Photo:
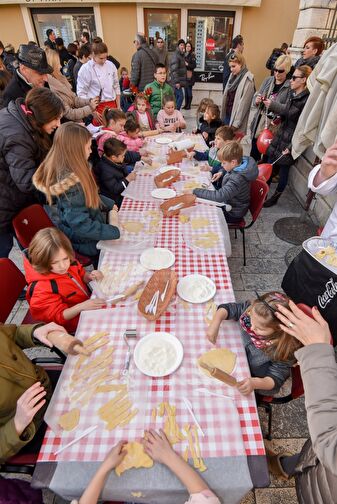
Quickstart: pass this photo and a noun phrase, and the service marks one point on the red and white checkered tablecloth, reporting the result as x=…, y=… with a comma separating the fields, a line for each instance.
x=231, y=423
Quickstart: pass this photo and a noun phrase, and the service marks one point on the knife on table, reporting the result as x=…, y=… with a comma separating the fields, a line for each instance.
x=220, y=375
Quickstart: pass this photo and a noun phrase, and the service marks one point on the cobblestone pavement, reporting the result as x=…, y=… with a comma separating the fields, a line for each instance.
x=264, y=271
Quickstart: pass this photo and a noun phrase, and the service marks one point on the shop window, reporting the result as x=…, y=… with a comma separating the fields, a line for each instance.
x=210, y=33
x=67, y=23
x=164, y=23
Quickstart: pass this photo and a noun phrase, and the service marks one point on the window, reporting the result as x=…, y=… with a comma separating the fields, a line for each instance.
x=67, y=23
x=210, y=33
x=164, y=23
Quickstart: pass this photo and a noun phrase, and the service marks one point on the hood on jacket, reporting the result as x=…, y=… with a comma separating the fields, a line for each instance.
x=247, y=169
x=33, y=276
x=15, y=110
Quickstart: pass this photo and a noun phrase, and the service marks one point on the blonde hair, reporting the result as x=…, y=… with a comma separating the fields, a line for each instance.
x=44, y=245
x=53, y=60
x=285, y=60
x=205, y=102
x=237, y=58
x=305, y=70
x=281, y=346
x=67, y=158
x=232, y=151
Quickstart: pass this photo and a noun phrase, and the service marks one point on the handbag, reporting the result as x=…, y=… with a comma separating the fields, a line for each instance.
x=189, y=74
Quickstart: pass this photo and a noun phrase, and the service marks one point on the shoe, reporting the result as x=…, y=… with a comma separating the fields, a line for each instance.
x=274, y=464
x=273, y=200
x=185, y=107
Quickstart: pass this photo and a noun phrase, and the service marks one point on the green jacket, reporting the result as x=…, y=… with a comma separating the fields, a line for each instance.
x=158, y=92
x=17, y=374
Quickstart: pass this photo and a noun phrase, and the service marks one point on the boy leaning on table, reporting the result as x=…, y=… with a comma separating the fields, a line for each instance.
x=157, y=446
x=237, y=174
x=25, y=387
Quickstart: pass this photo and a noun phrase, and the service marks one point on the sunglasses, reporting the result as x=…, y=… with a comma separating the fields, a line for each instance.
x=279, y=71
x=276, y=297
x=294, y=77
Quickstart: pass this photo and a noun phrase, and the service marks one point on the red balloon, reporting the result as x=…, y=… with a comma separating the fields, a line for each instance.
x=264, y=140
x=265, y=171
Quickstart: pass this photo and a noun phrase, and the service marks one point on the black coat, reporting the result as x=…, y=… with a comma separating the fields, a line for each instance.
x=209, y=128
x=20, y=157
x=16, y=88
x=191, y=64
x=290, y=113
x=111, y=179
x=178, y=72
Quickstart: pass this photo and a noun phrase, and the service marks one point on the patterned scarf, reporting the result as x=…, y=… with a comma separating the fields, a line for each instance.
x=258, y=341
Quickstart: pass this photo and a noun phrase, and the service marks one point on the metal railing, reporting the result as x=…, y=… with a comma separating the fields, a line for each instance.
x=331, y=27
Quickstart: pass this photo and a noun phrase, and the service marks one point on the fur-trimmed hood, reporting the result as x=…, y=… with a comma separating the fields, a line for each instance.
x=60, y=187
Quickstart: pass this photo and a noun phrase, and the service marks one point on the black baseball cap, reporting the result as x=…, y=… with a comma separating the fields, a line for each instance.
x=35, y=58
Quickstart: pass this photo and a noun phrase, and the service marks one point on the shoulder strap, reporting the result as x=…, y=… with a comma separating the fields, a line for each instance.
x=31, y=288
x=53, y=285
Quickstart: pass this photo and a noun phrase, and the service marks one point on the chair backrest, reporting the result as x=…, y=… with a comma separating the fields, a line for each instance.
x=12, y=281
x=265, y=170
x=28, y=222
x=258, y=193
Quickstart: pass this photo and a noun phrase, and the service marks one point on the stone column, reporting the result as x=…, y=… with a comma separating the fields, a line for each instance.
x=314, y=19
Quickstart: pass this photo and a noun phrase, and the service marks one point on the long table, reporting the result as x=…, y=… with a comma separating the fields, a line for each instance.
x=232, y=449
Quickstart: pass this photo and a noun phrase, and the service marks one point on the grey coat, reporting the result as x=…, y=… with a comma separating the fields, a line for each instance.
x=235, y=188
x=260, y=363
x=242, y=101
x=178, y=71
x=316, y=472
x=143, y=66
x=257, y=117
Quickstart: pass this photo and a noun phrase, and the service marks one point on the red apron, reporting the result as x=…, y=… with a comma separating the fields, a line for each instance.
x=101, y=107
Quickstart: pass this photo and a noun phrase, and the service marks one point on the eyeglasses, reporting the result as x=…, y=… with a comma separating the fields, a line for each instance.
x=294, y=77
x=278, y=70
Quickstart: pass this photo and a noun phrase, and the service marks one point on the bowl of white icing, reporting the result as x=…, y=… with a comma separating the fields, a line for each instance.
x=158, y=354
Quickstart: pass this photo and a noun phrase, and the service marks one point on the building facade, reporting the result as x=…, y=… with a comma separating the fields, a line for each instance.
x=210, y=27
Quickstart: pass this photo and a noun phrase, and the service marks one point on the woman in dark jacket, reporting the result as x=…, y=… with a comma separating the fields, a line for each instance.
x=315, y=467
x=178, y=73
x=190, y=63
x=289, y=112
x=25, y=127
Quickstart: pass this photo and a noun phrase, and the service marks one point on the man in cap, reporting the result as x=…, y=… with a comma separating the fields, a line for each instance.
x=30, y=72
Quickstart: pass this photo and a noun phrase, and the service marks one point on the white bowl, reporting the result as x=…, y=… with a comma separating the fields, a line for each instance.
x=164, y=169
x=162, y=140
x=150, y=353
x=196, y=288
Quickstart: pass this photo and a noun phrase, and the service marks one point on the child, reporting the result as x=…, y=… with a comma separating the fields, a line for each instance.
x=210, y=123
x=157, y=446
x=114, y=121
x=169, y=119
x=223, y=135
x=124, y=84
x=57, y=284
x=159, y=88
x=270, y=350
x=111, y=172
x=130, y=135
x=235, y=187
x=143, y=115
x=205, y=102
x=65, y=175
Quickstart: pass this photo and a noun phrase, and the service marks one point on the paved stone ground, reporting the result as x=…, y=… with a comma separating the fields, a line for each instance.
x=264, y=271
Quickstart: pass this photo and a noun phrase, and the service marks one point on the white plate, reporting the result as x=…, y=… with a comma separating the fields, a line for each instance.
x=157, y=258
x=164, y=169
x=163, y=140
x=163, y=193
x=151, y=351
x=196, y=288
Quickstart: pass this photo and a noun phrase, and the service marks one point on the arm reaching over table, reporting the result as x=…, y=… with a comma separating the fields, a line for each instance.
x=112, y=459
x=157, y=446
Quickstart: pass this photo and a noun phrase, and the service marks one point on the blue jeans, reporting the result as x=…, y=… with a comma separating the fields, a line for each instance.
x=179, y=96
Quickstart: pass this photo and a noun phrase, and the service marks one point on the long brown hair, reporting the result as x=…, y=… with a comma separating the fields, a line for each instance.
x=67, y=157
x=282, y=345
x=112, y=114
x=42, y=107
x=44, y=245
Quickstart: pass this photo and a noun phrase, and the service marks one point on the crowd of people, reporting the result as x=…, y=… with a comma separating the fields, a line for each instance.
x=71, y=130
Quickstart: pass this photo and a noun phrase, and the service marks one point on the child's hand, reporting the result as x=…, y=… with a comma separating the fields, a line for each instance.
x=96, y=275
x=147, y=160
x=132, y=176
x=143, y=152
x=216, y=176
x=115, y=456
x=92, y=304
x=172, y=127
x=246, y=386
x=190, y=154
x=157, y=446
x=205, y=135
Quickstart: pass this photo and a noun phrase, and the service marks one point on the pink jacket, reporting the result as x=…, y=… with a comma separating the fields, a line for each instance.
x=132, y=144
x=106, y=133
